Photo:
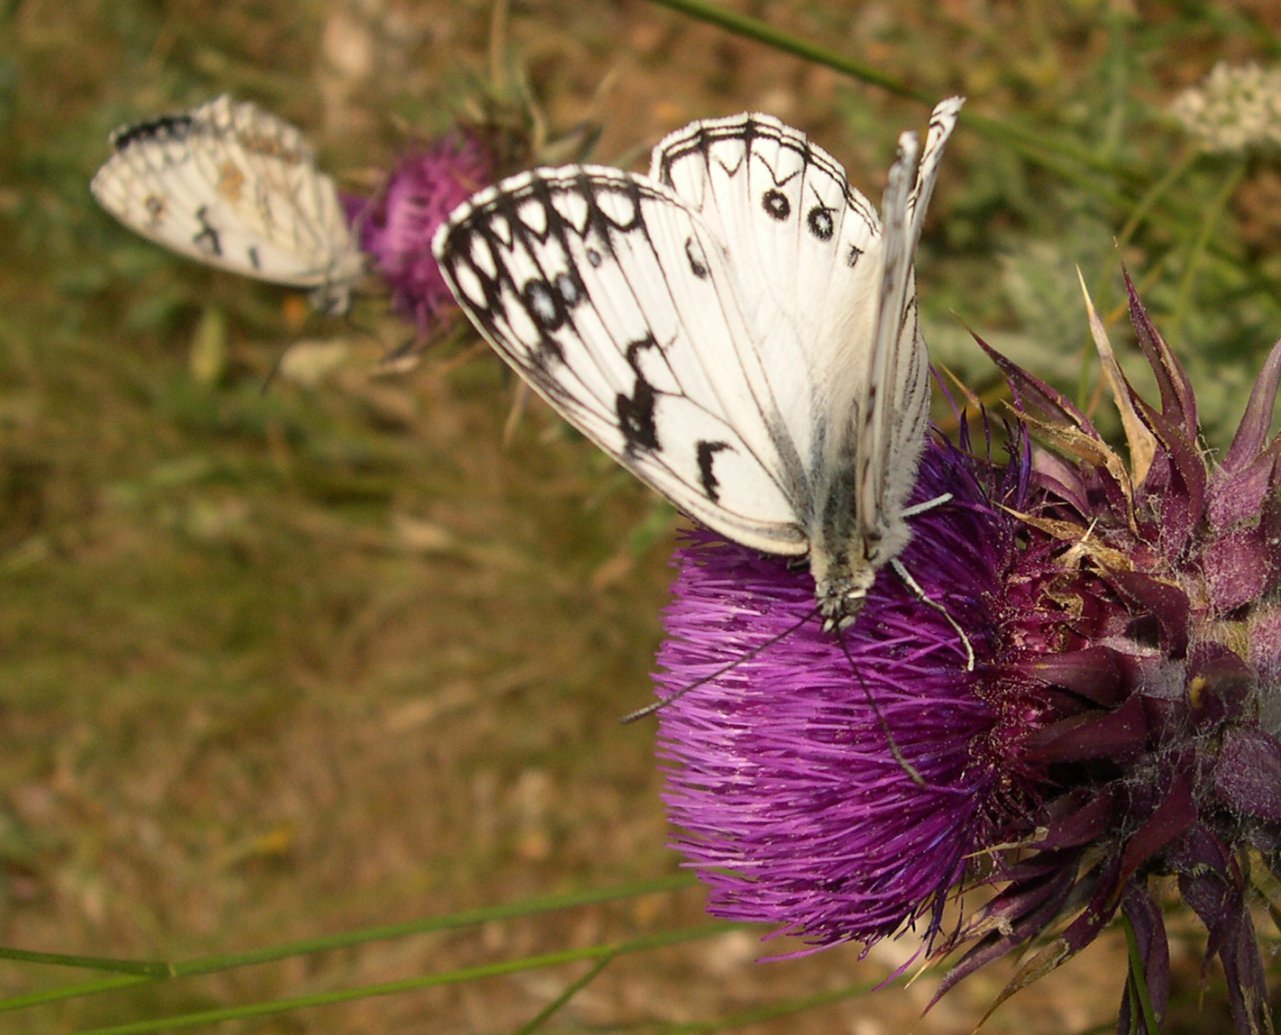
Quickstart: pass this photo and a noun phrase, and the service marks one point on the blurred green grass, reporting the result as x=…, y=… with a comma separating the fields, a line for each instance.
x=286, y=659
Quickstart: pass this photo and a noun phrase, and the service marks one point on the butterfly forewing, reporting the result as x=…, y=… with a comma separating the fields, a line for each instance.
x=601, y=289
x=803, y=248
x=738, y=328
x=235, y=187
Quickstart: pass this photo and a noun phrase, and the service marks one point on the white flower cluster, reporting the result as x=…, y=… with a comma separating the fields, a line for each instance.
x=1236, y=109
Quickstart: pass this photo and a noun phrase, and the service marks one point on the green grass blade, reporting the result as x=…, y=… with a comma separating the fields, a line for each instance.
x=143, y=968
x=644, y=943
x=139, y=973
x=571, y=990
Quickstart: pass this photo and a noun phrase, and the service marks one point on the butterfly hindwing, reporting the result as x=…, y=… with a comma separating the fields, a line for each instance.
x=236, y=187
x=892, y=436
x=603, y=290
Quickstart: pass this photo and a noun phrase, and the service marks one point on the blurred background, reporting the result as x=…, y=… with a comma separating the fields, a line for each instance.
x=297, y=647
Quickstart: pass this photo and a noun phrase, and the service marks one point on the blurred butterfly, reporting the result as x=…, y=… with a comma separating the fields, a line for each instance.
x=234, y=186
x=738, y=328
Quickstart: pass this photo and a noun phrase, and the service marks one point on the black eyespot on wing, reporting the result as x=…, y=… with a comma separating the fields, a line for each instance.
x=694, y=254
x=594, y=258
x=544, y=305
x=776, y=205
x=819, y=220
x=852, y=258
x=569, y=286
x=706, y=454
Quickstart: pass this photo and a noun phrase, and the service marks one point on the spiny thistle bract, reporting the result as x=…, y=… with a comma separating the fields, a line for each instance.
x=1119, y=726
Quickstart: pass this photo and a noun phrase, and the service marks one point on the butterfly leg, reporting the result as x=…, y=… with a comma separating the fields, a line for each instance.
x=921, y=508
x=919, y=593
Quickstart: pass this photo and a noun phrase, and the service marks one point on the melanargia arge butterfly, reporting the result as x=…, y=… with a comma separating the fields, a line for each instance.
x=738, y=328
x=235, y=186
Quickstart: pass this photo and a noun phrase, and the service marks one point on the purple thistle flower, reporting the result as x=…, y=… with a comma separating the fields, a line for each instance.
x=781, y=774
x=396, y=228
x=1159, y=757
x=1120, y=723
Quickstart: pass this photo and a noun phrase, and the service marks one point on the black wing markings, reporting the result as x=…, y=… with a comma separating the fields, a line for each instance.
x=208, y=240
x=635, y=412
x=706, y=454
x=163, y=129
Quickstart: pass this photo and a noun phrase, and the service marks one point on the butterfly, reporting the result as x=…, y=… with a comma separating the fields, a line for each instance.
x=233, y=185
x=738, y=328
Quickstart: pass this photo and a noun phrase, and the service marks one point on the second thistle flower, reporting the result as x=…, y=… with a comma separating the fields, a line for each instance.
x=396, y=227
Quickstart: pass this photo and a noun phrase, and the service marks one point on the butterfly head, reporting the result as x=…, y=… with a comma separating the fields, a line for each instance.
x=841, y=594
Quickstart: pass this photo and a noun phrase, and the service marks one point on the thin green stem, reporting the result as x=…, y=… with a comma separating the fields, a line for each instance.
x=1139, y=979
x=1209, y=222
x=752, y=28
x=384, y=988
x=140, y=973
x=1152, y=195
x=556, y=1005
x=140, y=968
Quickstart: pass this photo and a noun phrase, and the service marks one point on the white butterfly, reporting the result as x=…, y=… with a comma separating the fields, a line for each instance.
x=232, y=185
x=737, y=328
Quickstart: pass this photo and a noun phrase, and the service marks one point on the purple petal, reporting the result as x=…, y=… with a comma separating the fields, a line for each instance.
x=397, y=228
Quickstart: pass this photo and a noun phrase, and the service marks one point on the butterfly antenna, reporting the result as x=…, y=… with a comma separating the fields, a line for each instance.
x=760, y=648
x=903, y=763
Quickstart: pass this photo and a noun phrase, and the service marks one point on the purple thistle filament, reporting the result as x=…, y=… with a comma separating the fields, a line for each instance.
x=793, y=808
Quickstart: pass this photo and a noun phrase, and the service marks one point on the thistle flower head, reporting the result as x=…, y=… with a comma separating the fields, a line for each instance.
x=396, y=228
x=1120, y=723
x=1161, y=757
x=781, y=770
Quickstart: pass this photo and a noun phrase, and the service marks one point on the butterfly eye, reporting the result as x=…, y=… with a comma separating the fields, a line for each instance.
x=776, y=204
